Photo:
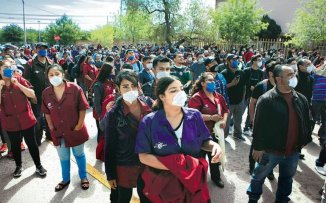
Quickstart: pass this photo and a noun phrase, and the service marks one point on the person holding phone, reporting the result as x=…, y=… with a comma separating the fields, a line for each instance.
x=236, y=88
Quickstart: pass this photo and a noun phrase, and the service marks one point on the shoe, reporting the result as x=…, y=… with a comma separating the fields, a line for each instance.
x=320, y=170
x=320, y=192
x=252, y=201
x=239, y=138
x=10, y=155
x=301, y=156
x=61, y=186
x=3, y=148
x=246, y=129
x=219, y=183
x=18, y=172
x=271, y=176
x=22, y=146
x=41, y=171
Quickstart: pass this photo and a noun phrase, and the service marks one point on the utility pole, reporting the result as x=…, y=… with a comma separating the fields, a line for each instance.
x=24, y=22
x=39, y=31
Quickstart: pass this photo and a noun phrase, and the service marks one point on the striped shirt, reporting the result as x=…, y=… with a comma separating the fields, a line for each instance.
x=319, y=88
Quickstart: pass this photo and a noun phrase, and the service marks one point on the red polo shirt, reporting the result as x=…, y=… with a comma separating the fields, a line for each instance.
x=201, y=102
x=91, y=72
x=65, y=114
x=16, y=111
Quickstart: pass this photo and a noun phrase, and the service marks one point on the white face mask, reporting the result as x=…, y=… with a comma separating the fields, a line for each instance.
x=310, y=68
x=162, y=74
x=293, y=82
x=294, y=67
x=260, y=64
x=180, y=99
x=149, y=66
x=201, y=60
x=130, y=96
x=56, y=80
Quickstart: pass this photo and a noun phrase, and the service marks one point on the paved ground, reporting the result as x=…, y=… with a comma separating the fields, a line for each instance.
x=31, y=189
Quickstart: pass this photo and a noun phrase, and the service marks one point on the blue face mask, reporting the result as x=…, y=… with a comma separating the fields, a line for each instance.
x=8, y=72
x=131, y=58
x=210, y=87
x=42, y=52
x=235, y=64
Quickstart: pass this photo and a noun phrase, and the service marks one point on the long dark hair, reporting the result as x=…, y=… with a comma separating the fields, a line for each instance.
x=197, y=86
x=81, y=60
x=162, y=86
x=103, y=75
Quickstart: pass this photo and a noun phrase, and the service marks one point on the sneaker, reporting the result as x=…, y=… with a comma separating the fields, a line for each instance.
x=219, y=183
x=239, y=138
x=245, y=129
x=22, y=146
x=301, y=156
x=18, y=172
x=320, y=170
x=41, y=171
x=3, y=148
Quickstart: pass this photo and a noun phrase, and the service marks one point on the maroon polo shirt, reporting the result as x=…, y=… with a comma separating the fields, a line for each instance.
x=91, y=72
x=16, y=111
x=201, y=102
x=65, y=114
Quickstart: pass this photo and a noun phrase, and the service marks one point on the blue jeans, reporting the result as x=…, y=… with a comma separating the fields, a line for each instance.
x=64, y=155
x=287, y=168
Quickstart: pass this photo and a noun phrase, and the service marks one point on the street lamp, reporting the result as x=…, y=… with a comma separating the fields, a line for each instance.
x=39, y=31
x=24, y=22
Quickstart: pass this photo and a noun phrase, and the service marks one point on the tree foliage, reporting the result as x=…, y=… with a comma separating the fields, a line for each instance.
x=103, y=35
x=309, y=23
x=238, y=21
x=68, y=31
x=273, y=30
x=133, y=26
x=32, y=36
x=12, y=33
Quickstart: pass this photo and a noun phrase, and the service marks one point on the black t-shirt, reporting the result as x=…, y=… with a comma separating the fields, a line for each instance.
x=235, y=93
x=253, y=77
x=261, y=88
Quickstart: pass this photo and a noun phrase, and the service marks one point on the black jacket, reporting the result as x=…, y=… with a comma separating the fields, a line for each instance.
x=120, y=137
x=305, y=85
x=272, y=119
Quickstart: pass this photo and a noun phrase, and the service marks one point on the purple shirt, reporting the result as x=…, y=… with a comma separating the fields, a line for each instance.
x=156, y=136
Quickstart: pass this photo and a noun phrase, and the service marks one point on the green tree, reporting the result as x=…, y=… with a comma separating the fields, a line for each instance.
x=12, y=33
x=273, y=30
x=238, y=21
x=309, y=23
x=32, y=36
x=68, y=31
x=103, y=35
x=133, y=26
x=196, y=23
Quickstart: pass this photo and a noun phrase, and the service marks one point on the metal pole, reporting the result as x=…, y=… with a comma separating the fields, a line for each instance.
x=39, y=31
x=24, y=22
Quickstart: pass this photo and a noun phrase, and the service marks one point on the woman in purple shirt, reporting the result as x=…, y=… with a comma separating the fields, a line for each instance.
x=172, y=129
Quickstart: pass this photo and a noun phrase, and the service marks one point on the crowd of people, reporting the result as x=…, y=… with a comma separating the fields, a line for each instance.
x=156, y=110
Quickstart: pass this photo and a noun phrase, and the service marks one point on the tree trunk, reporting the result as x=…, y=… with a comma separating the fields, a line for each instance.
x=167, y=23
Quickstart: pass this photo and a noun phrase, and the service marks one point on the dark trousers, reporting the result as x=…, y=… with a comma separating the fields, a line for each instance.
x=319, y=114
x=121, y=195
x=214, y=168
x=29, y=136
x=99, y=131
x=41, y=124
x=2, y=136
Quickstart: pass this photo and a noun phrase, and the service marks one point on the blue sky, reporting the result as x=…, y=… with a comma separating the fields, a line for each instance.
x=87, y=13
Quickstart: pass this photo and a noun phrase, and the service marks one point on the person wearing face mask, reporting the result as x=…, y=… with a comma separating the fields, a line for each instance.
x=161, y=68
x=198, y=67
x=305, y=78
x=122, y=165
x=64, y=105
x=17, y=117
x=146, y=75
x=281, y=128
x=90, y=72
x=102, y=87
x=214, y=109
x=253, y=75
x=133, y=61
x=236, y=89
x=36, y=74
x=292, y=62
x=167, y=141
x=180, y=71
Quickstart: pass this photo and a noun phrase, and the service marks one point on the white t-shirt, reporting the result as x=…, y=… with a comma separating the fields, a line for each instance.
x=178, y=133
